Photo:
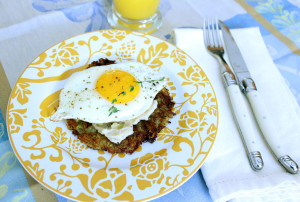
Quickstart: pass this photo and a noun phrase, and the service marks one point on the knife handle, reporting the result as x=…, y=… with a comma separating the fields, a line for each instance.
x=243, y=121
x=269, y=132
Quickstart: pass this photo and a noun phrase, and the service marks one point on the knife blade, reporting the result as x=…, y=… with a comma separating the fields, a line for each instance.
x=248, y=87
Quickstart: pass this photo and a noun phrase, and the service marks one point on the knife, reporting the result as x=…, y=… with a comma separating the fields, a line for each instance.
x=248, y=87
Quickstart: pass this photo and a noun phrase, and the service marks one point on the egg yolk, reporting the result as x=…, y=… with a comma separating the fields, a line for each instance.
x=119, y=85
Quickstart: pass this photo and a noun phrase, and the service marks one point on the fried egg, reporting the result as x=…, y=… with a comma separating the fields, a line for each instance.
x=112, y=97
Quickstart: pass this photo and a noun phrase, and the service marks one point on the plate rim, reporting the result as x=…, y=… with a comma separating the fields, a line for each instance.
x=191, y=174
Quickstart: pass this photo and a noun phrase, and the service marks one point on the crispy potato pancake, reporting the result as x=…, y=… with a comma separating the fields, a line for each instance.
x=144, y=131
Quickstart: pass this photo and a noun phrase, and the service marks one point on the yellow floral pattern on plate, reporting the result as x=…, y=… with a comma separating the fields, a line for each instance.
x=65, y=54
x=58, y=160
x=149, y=168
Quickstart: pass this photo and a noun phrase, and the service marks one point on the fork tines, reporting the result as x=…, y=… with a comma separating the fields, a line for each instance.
x=211, y=33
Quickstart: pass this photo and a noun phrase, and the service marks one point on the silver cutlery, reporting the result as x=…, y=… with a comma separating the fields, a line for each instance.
x=213, y=43
x=248, y=87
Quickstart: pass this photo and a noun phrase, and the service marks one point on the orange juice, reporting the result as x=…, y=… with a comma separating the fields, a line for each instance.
x=136, y=9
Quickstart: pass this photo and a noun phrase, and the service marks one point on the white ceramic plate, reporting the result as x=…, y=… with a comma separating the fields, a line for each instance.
x=60, y=162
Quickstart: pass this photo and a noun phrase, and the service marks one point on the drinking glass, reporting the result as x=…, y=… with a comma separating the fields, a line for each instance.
x=137, y=15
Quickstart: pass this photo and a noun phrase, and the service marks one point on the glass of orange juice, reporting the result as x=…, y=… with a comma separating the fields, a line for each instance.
x=137, y=15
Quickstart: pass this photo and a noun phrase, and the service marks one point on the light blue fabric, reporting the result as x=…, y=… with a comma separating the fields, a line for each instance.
x=13, y=182
x=78, y=12
x=285, y=17
x=61, y=199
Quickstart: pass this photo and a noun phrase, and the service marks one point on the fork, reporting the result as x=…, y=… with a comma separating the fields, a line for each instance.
x=214, y=45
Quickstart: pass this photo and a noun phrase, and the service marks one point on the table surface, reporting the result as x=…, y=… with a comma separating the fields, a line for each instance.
x=29, y=27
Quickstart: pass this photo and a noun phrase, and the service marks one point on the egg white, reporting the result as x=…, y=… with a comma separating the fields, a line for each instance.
x=79, y=98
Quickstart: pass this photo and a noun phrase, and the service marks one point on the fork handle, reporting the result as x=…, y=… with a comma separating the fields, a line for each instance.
x=243, y=121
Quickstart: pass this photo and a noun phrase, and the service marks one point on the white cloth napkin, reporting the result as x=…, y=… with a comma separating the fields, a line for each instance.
x=226, y=171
